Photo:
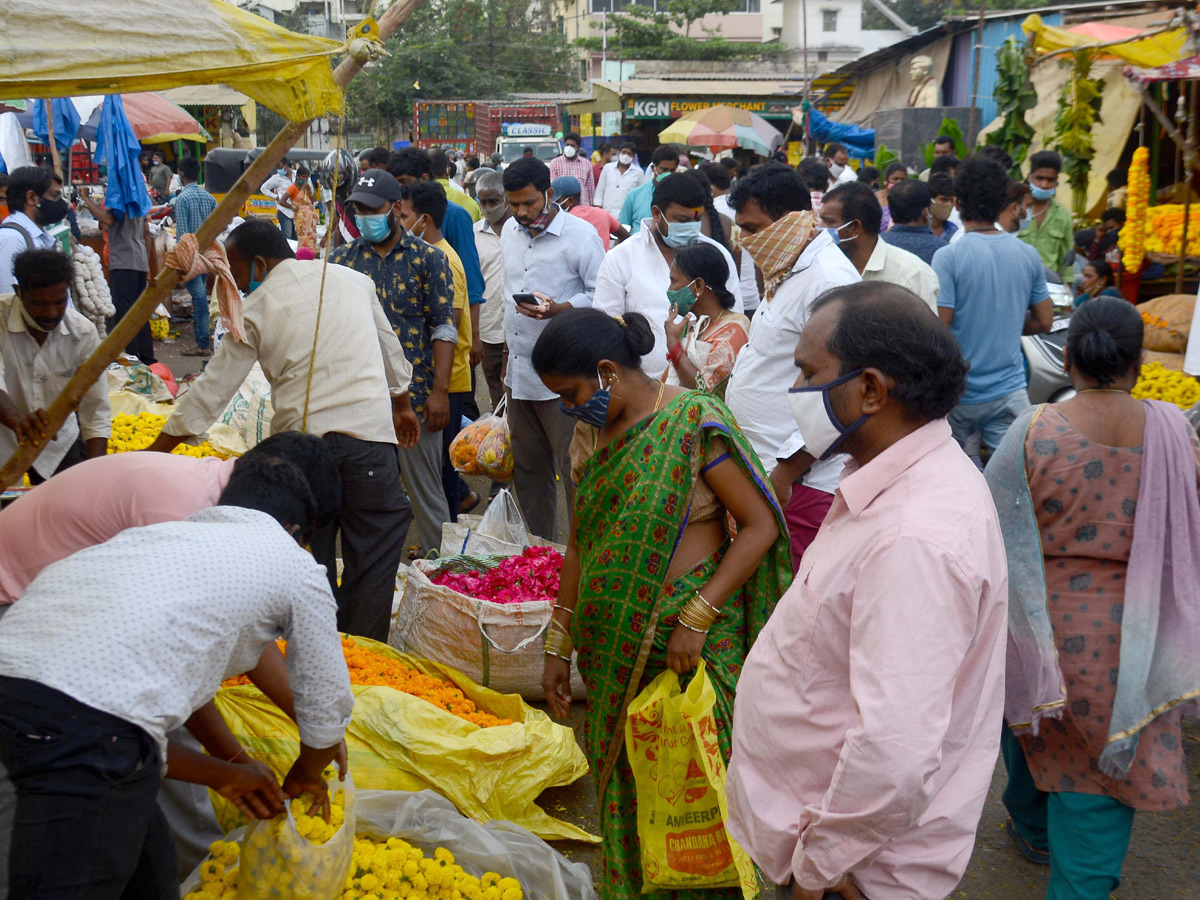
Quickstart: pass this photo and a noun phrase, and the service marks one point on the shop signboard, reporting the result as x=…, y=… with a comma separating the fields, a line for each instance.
x=664, y=108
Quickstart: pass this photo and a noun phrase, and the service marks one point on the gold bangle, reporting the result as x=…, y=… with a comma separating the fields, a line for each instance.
x=566, y=609
x=565, y=659
x=558, y=643
x=554, y=623
x=716, y=612
x=697, y=615
x=690, y=628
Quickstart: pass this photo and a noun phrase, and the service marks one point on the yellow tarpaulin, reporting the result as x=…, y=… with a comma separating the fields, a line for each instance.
x=1144, y=52
x=64, y=48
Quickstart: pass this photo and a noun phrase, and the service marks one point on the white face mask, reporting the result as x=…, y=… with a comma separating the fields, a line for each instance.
x=820, y=427
x=625, y=159
x=569, y=151
x=835, y=170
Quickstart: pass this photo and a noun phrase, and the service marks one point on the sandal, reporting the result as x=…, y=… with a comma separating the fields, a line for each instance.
x=197, y=351
x=1030, y=852
x=468, y=503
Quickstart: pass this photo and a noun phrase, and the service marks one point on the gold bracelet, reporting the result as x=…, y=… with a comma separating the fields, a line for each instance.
x=555, y=624
x=716, y=612
x=566, y=609
x=697, y=615
x=558, y=643
x=690, y=628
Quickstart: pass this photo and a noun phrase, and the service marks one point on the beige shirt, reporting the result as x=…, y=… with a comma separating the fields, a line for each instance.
x=359, y=364
x=34, y=375
x=491, y=262
x=892, y=264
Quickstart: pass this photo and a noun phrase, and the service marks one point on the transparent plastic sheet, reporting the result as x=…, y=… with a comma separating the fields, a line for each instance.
x=503, y=521
x=428, y=821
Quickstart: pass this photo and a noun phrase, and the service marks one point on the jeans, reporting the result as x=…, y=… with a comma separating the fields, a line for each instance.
x=1087, y=835
x=990, y=420
x=84, y=822
x=127, y=286
x=199, y=294
x=372, y=521
x=288, y=226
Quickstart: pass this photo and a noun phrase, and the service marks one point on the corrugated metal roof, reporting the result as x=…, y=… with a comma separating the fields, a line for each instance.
x=206, y=95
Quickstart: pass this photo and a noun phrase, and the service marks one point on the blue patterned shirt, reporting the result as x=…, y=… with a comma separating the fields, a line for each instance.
x=416, y=290
x=193, y=205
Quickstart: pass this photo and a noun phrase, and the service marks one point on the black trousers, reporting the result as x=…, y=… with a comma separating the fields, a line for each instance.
x=85, y=821
x=127, y=286
x=372, y=522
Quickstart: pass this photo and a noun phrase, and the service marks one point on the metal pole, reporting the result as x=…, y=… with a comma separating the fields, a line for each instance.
x=160, y=288
x=56, y=160
x=1187, y=150
x=804, y=29
x=973, y=112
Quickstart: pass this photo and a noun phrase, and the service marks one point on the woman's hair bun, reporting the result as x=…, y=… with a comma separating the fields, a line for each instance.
x=638, y=334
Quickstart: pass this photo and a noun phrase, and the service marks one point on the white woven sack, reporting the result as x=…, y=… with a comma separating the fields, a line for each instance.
x=498, y=645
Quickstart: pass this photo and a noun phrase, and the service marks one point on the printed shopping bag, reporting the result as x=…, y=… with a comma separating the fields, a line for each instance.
x=671, y=740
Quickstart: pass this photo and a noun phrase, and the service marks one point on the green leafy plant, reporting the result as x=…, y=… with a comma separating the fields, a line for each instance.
x=883, y=156
x=951, y=129
x=1078, y=113
x=642, y=32
x=1014, y=96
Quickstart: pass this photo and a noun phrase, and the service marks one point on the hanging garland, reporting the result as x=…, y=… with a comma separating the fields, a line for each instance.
x=1014, y=95
x=1078, y=112
x=1132, y=240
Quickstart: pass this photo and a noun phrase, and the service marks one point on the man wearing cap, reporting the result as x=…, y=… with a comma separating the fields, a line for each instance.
x=567, y=191
x=415, y=287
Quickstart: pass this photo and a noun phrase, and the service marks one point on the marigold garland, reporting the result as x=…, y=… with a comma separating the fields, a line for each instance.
x=1133, y=236
x=370, y=668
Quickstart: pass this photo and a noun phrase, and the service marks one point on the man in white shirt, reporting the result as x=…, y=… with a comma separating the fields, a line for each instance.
x=837, y=160
x=618, y=178
x=42, y=343
x=550, y=262
x=799, y=263
x=489, y=189
x=35, y=202
x=96, y=667
x=636, y=274
x=276, y=186
x=853, y=213
x=358, y=402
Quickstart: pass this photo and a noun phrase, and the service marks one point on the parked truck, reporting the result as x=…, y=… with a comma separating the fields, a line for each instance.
x=483, y=127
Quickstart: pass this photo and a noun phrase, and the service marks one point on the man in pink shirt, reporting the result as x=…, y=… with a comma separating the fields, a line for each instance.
x=97, y=499
x=567, y=195
x=867, y=721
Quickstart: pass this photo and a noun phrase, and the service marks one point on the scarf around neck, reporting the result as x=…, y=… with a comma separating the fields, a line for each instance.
x=776, y=248
x=1159, y=667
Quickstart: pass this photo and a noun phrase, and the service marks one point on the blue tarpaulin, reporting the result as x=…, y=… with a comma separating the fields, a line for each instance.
x=859, y=142
x=118, y=149
x=66, y=122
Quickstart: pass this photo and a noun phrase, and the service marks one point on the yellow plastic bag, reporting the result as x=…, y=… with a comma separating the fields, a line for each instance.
x=276, y=859
x=398, y=742
x=671, y=740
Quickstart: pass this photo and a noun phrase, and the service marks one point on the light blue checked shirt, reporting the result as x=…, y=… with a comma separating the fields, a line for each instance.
x=560, y=262
x=193, y=205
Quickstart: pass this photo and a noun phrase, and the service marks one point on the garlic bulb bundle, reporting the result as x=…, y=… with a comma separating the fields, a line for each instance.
x=89, y=289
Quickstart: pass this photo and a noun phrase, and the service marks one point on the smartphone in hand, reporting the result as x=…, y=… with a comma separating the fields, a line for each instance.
x=527, y=300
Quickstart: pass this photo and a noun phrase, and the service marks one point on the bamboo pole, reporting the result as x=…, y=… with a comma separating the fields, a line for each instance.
x=160, y=288
x=54, y=157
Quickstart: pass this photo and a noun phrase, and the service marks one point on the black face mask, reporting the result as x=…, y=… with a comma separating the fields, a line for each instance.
x=51, y=211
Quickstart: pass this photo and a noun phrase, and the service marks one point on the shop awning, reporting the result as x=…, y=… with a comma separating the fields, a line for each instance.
x=669, y=98
x=206, y=95
x=63, y=48
x=1184, y=70
x=1156, y=50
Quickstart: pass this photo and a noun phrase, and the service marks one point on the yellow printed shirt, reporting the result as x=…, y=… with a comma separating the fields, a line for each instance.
x=460, y=374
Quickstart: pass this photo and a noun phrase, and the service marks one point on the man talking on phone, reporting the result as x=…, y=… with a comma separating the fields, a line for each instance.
x=550, y=265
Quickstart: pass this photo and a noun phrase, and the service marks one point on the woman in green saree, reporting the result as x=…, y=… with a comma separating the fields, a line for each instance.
x=653, y=578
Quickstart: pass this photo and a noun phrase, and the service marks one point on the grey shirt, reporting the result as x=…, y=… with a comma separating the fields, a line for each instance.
x=127, y=244
x=160, y=178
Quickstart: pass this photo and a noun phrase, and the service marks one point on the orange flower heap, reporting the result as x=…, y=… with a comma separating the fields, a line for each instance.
x=370, y=668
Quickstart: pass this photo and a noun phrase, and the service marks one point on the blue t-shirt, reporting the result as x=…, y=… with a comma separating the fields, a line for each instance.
x=637, y=206
x=990, y=281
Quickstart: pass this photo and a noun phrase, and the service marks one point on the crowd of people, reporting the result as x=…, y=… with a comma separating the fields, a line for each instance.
x=754, y=389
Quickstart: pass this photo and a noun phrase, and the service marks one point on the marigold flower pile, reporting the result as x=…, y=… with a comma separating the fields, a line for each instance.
x=130, y=432
x=530, y=577
x=1160, y=383
x=371, y=668
x=1164, y=230
x=381, y=870
x=1133, y=236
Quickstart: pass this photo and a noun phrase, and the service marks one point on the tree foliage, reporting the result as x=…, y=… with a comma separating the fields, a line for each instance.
x=922, y=14
x=1014, y=95
x=476, y=49
x=640, y=31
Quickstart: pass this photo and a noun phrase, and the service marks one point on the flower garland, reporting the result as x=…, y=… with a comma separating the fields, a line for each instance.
x=1133, y=236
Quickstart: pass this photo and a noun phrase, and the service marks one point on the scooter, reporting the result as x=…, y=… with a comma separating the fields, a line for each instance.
x=1045, y=355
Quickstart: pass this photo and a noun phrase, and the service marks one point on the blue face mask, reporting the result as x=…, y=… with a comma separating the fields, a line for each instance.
x=254, y=282
x=1041, y=194
x=836, y=233
x=683, y=299
x=594, y=411
x=680, y=234
x=375, y=228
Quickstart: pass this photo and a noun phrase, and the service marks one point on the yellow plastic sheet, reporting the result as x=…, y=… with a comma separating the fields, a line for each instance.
x=64, y=48
x=1143, y=52
x=399, y=742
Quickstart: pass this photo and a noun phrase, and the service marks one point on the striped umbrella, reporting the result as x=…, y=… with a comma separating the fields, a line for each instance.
x=723, y=128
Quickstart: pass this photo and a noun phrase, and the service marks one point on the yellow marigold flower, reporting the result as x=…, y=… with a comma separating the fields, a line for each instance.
x=211, y=871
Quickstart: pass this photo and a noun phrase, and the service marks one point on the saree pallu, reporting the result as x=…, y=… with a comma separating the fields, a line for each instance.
x=632, y=507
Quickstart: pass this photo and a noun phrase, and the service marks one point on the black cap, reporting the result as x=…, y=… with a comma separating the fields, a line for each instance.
x=374, y=188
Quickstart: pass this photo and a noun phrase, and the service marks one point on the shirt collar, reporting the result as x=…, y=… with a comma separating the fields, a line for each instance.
x=556, y=224
x=808, y=255
x=860, y=486
x=913, y=229
x=878, y=256
x=30, y=226
x=16, y=321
